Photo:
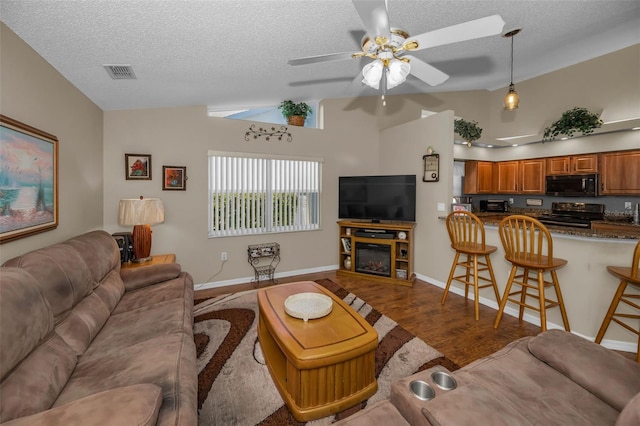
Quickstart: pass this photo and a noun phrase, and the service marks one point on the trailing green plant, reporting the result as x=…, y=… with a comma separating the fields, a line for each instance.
x=290, y=108
x=469, y=130
x=577, y=119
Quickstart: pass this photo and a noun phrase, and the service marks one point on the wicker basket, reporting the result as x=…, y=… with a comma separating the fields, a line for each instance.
x=296, y=120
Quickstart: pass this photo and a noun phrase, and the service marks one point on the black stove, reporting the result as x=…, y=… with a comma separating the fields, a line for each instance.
x=577, y=215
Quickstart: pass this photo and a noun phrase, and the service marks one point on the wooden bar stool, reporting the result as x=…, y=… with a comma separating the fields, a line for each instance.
x=528, y=246
x=626, y=276
x=466, y=232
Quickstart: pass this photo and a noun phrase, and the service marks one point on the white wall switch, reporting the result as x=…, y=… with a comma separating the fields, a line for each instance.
x=441, y=207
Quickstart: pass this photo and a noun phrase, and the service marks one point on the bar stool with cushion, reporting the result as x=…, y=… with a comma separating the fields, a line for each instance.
x=529, y=247
x=627, y=276
x=466, y=232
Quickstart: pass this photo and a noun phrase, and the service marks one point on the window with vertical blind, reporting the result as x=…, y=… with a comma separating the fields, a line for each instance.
x=260, y=193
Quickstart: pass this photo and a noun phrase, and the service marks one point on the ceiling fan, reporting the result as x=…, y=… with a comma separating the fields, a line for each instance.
x=388, y=46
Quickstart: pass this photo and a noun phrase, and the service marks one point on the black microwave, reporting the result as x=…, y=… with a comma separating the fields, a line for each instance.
x=573, y=185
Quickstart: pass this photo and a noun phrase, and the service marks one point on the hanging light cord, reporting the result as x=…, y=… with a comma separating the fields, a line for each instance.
x=512, y=60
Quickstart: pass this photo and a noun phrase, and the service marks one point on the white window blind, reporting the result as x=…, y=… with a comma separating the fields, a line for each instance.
x=254, y=194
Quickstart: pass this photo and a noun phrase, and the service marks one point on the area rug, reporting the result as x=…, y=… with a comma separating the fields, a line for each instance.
x=234, y=384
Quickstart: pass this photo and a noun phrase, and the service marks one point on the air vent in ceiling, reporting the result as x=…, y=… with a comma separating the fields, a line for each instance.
x=120, y=72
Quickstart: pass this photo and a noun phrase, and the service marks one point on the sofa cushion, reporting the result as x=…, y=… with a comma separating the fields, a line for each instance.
x=472, y=404
x=35, y=363
x=617, y=379
x=61, y=274
x=630, y=416
x=135, y=278
x=178, y=288
x=99, y=250
x=25, y=317
x=550, y=397
x=382, y=413
x=160, y=319
x=166, y=361
x=132, y=405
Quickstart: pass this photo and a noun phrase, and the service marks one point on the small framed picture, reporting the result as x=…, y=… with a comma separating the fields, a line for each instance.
x=456, y=207
x=346, y=244
x=137, y=166
x=174, y=178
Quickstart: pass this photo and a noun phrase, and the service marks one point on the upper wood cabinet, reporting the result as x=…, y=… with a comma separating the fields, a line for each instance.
x=620, y=173
x=478, y=177
x=507, y=177
x=532, y=176
x=586, y=163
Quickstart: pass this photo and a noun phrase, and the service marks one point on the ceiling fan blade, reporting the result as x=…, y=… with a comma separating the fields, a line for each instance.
x=478, y=28
x=321, y=58
x=374, y=17
x=425, y=72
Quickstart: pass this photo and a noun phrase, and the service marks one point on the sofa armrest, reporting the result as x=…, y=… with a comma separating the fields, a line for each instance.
x=606, y=374
x=130, y=405
x=136, y=278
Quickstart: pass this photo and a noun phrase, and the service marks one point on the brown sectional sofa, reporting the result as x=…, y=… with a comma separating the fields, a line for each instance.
x=555, y=378
x=84, y=342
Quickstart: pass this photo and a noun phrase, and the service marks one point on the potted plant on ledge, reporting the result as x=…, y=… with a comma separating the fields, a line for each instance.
x=574, y=120
x=468, y=130
x=295, y=113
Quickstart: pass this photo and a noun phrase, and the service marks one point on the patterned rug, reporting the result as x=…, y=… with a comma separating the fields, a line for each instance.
x=234, y=385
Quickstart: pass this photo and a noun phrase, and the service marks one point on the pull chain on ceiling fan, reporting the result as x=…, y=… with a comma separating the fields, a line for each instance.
x=388, y=47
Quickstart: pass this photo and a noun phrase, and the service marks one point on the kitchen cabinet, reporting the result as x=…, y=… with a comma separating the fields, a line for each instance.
x=620, y=173
x=507, y=177
x=478, y=177
x=573, y=164
x=532, y=176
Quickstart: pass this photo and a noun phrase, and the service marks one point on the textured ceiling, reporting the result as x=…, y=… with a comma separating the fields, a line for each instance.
x=233, y=54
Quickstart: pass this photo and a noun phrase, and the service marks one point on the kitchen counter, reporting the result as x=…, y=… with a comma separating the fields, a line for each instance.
x=629, y=231
x=586, y=284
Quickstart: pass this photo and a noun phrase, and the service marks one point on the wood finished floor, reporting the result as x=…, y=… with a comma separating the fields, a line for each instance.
x=451, y=328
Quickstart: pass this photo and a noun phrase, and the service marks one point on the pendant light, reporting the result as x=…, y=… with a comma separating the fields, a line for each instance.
x=511, y=100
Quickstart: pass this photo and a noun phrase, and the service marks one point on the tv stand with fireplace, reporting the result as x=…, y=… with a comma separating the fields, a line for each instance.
x=383, y=251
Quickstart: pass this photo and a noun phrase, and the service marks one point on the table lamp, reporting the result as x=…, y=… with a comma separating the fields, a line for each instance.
x=141, y=213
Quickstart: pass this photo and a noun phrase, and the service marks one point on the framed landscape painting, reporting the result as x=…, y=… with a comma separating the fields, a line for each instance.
x=28, y=180
x=137, y=166
x=174, y=178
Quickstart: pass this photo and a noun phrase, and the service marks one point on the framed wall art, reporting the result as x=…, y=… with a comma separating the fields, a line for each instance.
x=174, y=178
x=137, y=166
x=28, y=180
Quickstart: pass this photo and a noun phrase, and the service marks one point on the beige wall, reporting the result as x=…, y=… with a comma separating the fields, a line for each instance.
x=34, y=93
x=183, y=136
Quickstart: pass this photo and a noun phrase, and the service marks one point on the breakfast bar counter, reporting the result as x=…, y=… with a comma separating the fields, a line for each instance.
x=619, y=230
x=587, y=287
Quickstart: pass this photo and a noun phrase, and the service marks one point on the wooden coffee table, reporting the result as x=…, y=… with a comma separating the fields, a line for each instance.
x=322, y=366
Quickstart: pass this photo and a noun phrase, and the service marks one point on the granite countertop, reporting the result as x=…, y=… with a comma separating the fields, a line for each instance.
x=490, y=218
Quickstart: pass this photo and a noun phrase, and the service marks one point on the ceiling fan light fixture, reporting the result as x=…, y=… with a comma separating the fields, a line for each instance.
x=398, y=72
x=512, y=99
x=372, y=74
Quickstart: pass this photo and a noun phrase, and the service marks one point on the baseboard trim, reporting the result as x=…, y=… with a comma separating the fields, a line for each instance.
x=531, y=319
x=236, y=281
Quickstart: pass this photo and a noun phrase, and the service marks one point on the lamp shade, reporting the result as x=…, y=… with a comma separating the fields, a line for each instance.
x=372, y=74
x=140, y=211
x=398, y=72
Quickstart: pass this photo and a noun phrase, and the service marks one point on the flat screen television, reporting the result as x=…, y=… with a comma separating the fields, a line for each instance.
x=377, y=198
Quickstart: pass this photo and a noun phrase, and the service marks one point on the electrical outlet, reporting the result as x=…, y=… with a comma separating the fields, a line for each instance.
x=510, y=200
x=223, y=256
x=441, y=207
x=627, y=205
